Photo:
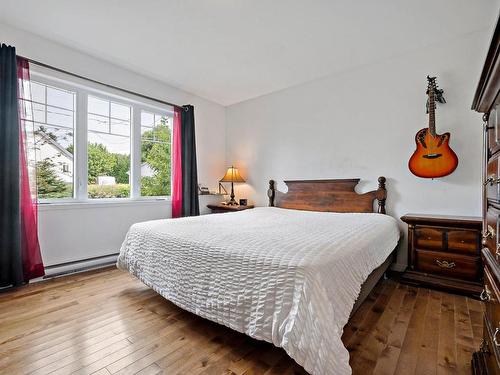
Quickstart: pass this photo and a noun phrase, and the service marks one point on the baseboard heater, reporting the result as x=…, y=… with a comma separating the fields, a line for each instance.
x=80, y=265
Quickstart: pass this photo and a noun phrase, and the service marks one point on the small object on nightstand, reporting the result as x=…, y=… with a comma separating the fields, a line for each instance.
x=444, y=252
x=243, y=202
x=203, y=190
x=224, y=207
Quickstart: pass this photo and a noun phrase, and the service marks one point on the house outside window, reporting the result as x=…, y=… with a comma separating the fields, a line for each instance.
x=50, y=119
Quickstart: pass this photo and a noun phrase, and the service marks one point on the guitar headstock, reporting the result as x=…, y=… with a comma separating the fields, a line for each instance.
x=434, y=93
x=431, y=84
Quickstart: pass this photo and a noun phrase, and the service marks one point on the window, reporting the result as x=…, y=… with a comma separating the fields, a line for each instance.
x=94, y=145
x=156, y=143
x=50, y=119
x=108, y=149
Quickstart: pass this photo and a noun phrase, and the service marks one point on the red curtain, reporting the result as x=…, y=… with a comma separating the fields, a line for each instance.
x=177, y=166
x=30, y=246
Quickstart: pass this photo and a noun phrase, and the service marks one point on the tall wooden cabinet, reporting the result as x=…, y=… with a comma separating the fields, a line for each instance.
x=486, y=100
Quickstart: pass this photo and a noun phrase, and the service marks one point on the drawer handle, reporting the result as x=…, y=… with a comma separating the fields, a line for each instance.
x=445, y=264
x=488, y=233
x=495, y=337
x=491, y=180
x=485, y=295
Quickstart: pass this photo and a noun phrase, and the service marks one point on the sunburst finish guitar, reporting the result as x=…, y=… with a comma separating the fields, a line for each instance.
x=433, y=157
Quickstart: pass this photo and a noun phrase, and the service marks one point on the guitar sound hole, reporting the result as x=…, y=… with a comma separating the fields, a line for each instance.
x=432, y=156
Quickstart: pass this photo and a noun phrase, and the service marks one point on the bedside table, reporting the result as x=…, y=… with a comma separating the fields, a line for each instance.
x=444, y=252
x=220, y=208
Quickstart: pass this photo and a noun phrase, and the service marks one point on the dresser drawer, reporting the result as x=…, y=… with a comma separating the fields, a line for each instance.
x=464, y=241
x=493, y=180
x=490, y=233
x=490, y=296
x=448, y=239
x=448, y=264
x=429, y=238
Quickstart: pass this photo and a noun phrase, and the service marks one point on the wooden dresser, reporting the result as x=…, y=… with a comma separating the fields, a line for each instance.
x=444, y=252
x=486, y=100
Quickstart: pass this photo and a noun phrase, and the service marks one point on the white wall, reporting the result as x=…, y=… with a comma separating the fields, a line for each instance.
x=357, y=124
x=82, y=231
x=69, y=233
x=362, y=124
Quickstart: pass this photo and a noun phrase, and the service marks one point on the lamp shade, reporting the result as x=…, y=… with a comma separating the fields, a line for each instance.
x=232, y=175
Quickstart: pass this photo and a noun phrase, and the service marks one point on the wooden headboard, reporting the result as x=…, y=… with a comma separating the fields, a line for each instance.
x=327, y=196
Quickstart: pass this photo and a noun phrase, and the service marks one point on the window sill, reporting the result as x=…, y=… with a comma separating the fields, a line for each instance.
x=117, y=202
x=95, y=203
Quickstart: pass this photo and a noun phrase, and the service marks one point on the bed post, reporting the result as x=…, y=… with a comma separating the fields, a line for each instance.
x=381, y=195
x=271, y=192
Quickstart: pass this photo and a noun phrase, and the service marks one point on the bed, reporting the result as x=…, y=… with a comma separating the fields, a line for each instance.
x=290, y=274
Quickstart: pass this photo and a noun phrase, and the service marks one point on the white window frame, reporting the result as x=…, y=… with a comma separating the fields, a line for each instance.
x=83, y=89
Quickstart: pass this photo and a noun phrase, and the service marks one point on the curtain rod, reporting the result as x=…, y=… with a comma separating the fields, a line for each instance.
x=100, y=83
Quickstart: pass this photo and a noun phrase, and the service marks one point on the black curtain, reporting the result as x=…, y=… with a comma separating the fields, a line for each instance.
x=190, y=203
x=11, y=269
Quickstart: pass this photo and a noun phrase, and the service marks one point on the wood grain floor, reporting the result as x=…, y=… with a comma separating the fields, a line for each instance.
x=105, y=322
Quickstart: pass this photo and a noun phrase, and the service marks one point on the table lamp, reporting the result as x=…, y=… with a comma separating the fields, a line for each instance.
x=232, y=175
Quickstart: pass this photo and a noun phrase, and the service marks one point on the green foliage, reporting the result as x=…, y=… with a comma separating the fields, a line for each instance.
x=49, y=185
x=100, y=162
x=156, y=152
x=120, y=170
x=109, y=191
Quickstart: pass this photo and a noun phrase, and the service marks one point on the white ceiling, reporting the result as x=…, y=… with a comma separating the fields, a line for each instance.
x=233, y=50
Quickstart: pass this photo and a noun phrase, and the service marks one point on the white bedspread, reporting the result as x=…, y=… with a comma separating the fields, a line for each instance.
x=284, y=276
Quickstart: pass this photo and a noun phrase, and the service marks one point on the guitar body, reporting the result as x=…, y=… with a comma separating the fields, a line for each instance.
x=433, y=157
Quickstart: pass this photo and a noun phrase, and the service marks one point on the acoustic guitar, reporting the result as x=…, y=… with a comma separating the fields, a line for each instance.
x=433, y=157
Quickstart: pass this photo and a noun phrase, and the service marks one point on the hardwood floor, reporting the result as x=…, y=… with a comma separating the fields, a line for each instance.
x=106, y=322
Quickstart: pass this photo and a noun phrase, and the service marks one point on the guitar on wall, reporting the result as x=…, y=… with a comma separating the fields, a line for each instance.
x=433, y=157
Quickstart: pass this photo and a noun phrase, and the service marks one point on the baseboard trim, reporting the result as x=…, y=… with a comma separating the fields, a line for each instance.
x=62, y=269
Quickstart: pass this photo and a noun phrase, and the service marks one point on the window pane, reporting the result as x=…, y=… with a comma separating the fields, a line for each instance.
x=53, y=140
x=30, y=111
x=147, y=119
x=54, y=161
x=120, y=127
x=59, y=98
x=114, y=144
x=147, y=133
x=119, y=111
x=98, y=123
x=38, y=111
x=37, y=92
x=159, y=120
x=155, y=155
x=108, y=150
x=59, y=117
x=98, y=106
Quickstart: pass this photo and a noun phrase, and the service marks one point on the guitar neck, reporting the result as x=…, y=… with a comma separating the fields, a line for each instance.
x=432, y=113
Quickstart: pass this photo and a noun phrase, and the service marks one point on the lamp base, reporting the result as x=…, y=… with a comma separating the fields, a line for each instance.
x=232, y=202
